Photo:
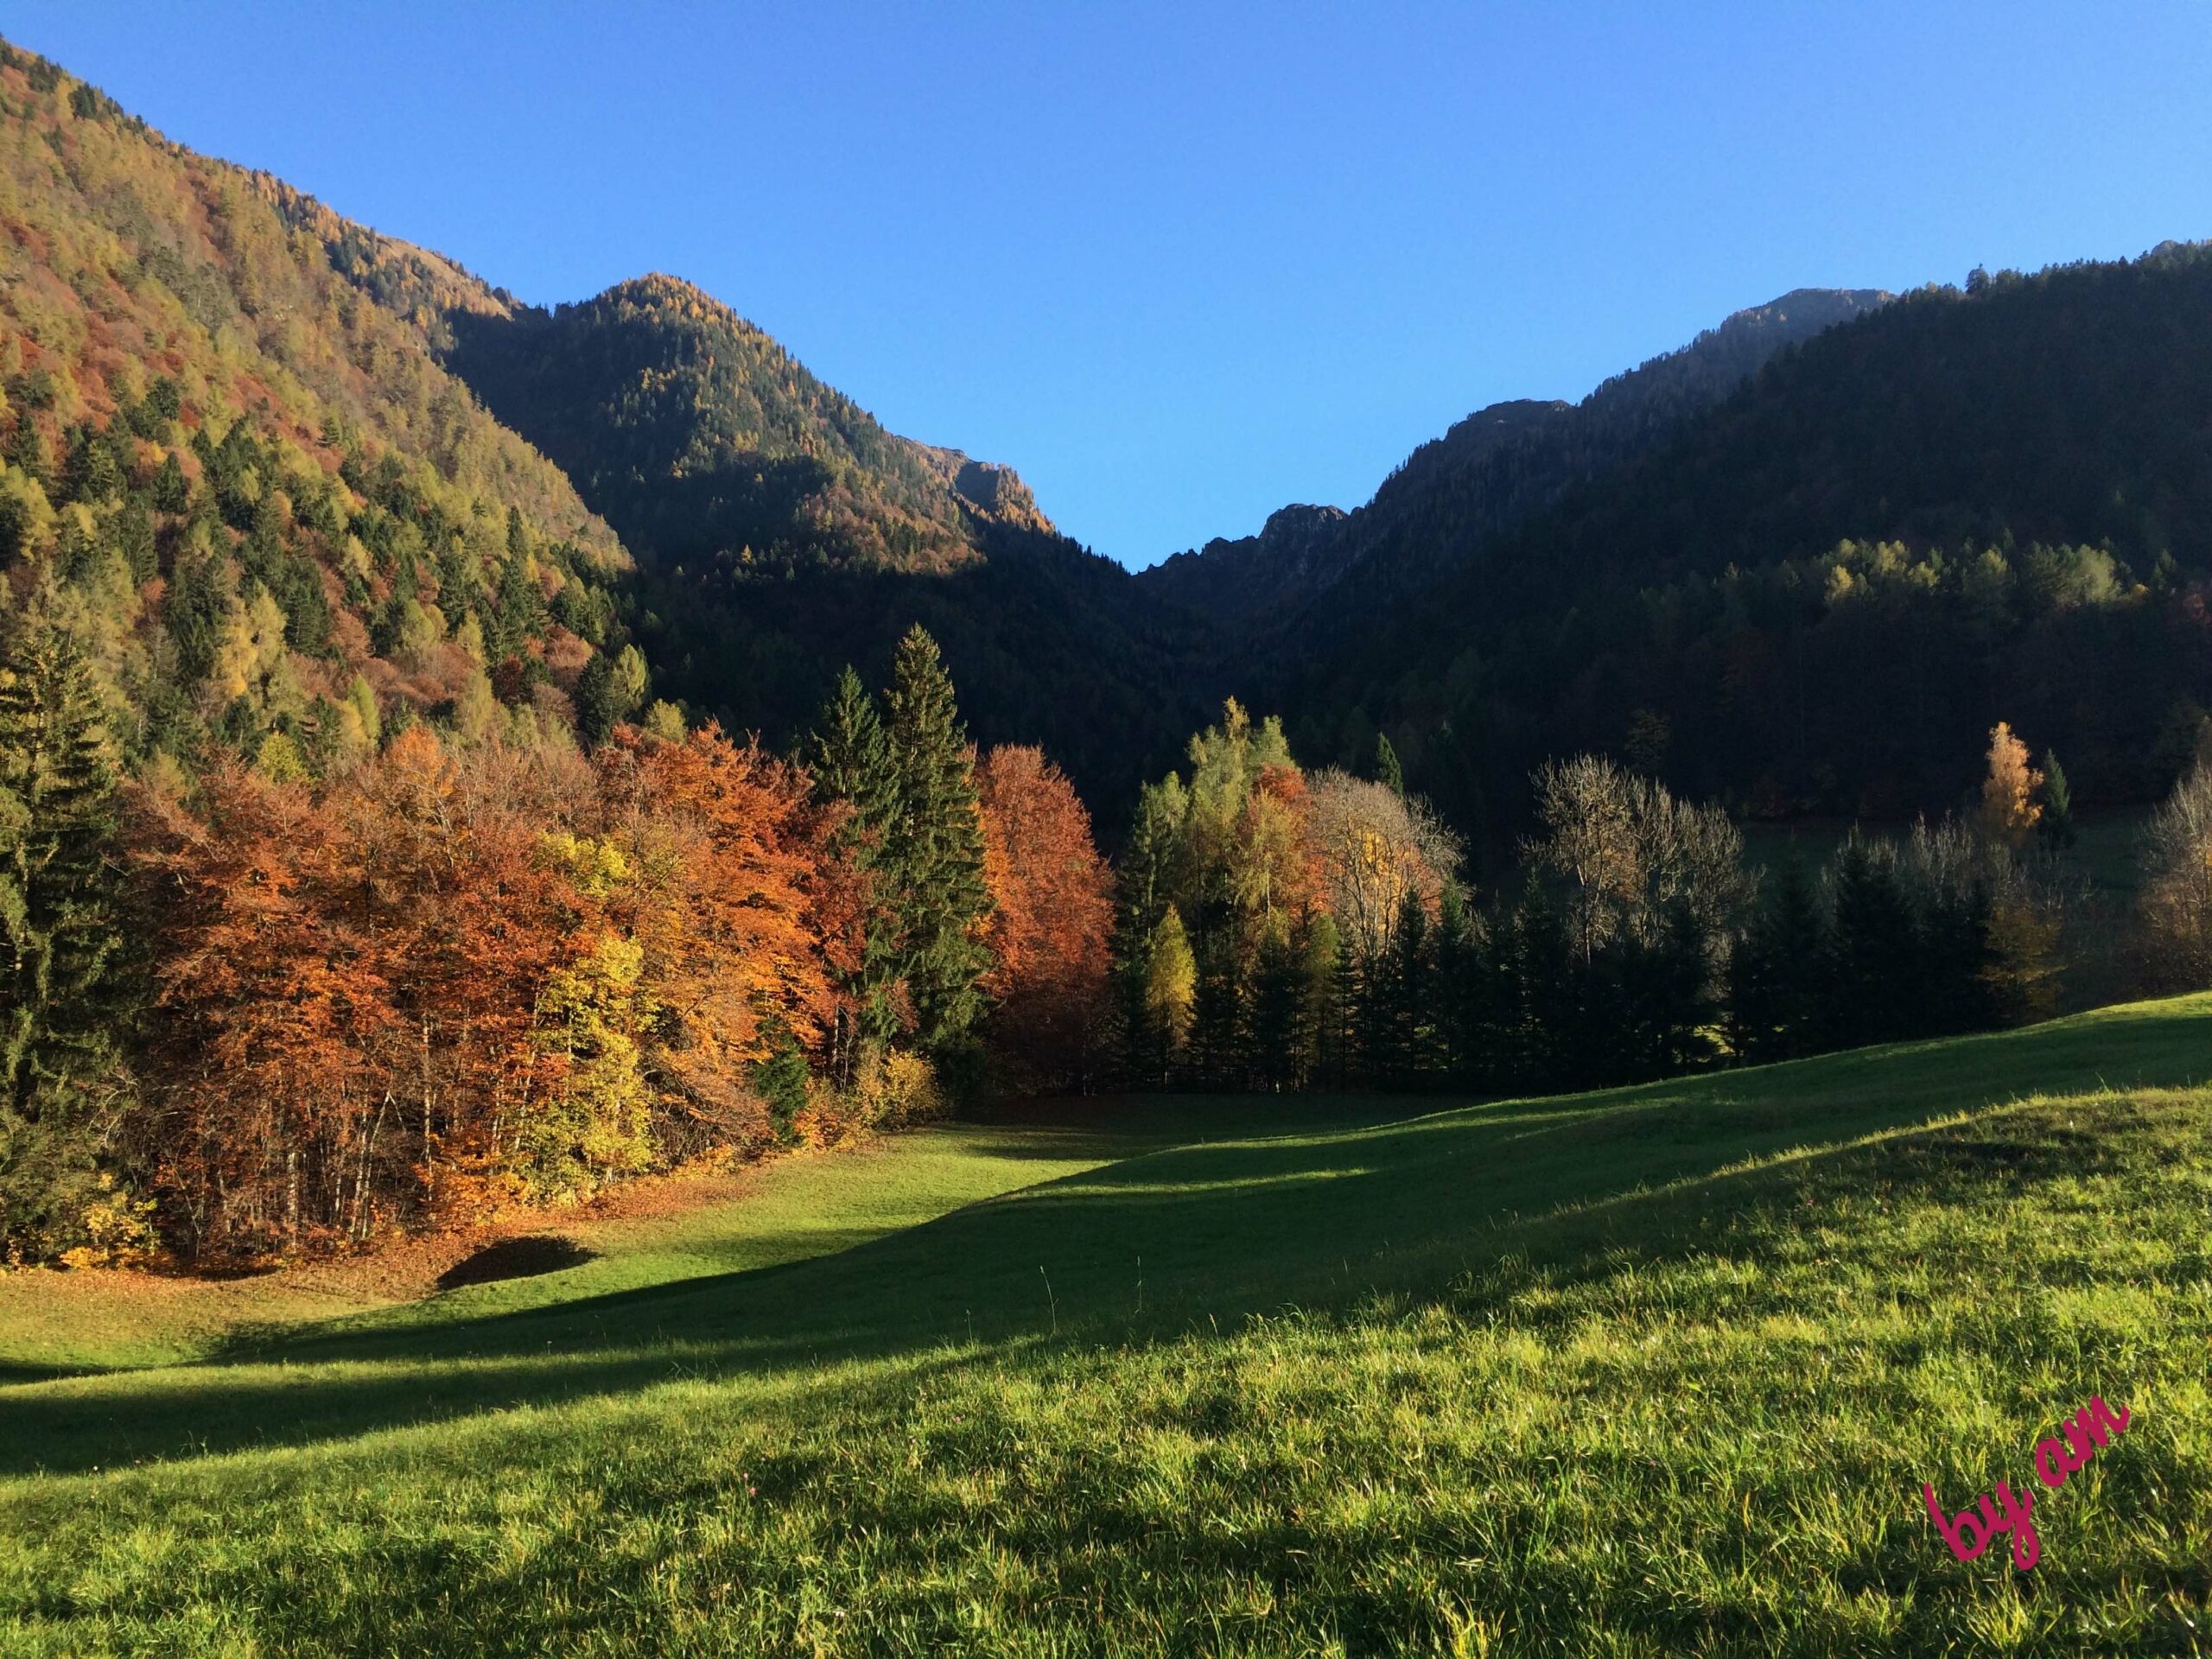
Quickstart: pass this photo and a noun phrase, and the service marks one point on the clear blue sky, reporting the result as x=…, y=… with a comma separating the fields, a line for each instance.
x=1178, y=263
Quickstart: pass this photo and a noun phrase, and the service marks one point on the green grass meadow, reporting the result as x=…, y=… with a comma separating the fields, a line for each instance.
x=1651, y=1371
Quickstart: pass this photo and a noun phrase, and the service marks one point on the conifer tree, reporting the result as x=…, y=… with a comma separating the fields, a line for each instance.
x=1218, y=1035
x=62, y=1001
x=1322, y=971
x=1170, y=977
x=1875, y=947
x=1388, y=771
x=1776, y=973
x=933, y=849
x=851, y=757
x=2011, y=792
x=1280, y=1040
x=2055, y=825
x=1539, y=994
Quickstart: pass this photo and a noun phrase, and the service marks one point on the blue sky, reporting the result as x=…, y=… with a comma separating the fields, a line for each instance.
x=1180, y=264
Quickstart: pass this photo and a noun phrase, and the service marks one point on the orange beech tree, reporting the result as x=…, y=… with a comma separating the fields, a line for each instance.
x=1053, y=918
x=269, y=1006
x=455, y=979
x=345, y=992
x=733, y=903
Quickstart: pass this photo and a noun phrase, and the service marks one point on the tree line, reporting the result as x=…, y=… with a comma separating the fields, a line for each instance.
x=255, y=1007
x=259, y=1007
x=1281, y=930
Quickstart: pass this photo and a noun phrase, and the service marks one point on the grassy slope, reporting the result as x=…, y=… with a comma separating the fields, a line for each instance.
x=1653, y=1371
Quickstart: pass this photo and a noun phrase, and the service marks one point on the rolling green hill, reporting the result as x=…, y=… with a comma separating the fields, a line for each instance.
x=1657, y=1371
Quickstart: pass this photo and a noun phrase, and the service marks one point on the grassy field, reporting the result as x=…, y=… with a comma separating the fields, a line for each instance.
x=1653, y=1371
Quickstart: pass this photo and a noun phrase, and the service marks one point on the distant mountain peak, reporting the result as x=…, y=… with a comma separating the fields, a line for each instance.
x=1494, y=465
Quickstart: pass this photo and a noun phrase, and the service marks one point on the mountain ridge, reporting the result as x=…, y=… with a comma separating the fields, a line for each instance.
x=1514, y=456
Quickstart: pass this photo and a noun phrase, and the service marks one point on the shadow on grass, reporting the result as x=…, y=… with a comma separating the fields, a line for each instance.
x=1144, y=1247
x=14, y=1371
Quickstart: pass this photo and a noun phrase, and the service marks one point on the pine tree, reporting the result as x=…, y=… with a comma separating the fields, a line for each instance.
x=62, y=989
x=933, y=849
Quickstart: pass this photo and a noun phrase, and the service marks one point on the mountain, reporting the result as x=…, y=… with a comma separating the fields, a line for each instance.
x=1821, y=593
x=1491, y=470
x=234, y=461
x=782, y=532
x=707, y=442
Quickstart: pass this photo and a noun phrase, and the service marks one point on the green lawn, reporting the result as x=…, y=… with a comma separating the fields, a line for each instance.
x=1658, y=1370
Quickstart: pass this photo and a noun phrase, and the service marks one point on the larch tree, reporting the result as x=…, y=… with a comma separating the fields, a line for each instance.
x=2010, y=791
x=1171, y=988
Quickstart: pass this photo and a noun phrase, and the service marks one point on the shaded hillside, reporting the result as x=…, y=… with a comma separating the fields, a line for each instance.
x=706, y=441
x=784, y=533
x=1966, y=506
x=1490, y=471
x=240, y=478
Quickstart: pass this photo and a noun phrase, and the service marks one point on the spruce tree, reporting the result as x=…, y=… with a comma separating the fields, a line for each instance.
x=1322, y=972
x=1388, y=771
x=851, y=758
x=1776, y=973
x=1875, y=991
x=1280, y=1040
x=1219, y=1018
x=62, y=1002
x=933, y=849
x=1409, y=992
x=2056, y=824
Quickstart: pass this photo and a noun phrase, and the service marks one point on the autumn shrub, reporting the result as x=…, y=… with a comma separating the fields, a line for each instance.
x=118, y=1230
x=899, y=1090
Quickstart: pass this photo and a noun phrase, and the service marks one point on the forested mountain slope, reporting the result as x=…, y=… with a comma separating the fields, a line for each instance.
x=1492, y=469
x=1968, y=505
x=232, y=458
x=706, y=441
x=783, y=532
